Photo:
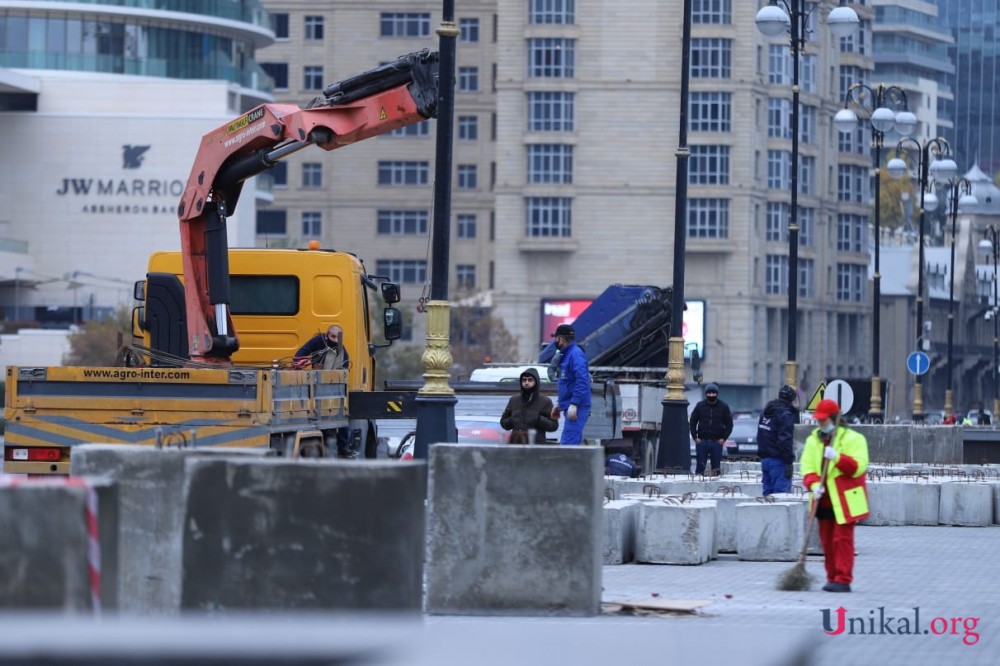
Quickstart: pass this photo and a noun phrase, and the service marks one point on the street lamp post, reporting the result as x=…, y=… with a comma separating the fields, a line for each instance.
x=943, y=168
x=993, y=244
x=886, y=110
x=956, y=201
x=772, y=20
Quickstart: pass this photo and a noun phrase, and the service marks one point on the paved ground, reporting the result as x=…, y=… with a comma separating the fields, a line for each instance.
x=945, y=572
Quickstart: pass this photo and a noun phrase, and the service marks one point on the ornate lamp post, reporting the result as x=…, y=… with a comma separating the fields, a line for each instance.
x=956, y=201
x=774, y=19
x=993, y=244
x=886, y=111
x=943, y=168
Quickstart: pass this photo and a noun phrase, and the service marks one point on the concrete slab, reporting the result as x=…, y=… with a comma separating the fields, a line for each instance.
x=770, y=531
x=514, y=530
x=620, y=518
x=681, y=533
x=903, y=503
x=966, y=504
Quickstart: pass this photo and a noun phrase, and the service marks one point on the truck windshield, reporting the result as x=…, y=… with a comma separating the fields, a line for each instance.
x=264, y=294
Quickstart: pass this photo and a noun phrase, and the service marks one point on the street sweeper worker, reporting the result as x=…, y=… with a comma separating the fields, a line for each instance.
x=842, y=454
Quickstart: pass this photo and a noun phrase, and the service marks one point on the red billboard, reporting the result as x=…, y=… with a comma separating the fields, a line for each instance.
x=560, y=311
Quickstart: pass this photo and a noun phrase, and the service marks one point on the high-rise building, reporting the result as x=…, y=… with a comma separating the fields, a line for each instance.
x=104, y=105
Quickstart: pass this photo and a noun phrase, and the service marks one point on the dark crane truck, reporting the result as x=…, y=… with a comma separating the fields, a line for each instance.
x=202, y=377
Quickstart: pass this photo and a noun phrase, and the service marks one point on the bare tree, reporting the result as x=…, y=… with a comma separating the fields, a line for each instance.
x=96, y=343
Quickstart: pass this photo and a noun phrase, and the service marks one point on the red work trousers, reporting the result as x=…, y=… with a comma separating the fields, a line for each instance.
x=838, y=548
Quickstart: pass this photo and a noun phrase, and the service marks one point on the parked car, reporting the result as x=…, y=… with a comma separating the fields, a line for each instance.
x=399, y=435
x=742, y=443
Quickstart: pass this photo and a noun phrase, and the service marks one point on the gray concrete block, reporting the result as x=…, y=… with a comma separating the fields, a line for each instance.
x=966, y=504
x=514, y=530
x=150, y=506
x=903, y=503
x=996, y=503
x=676, y=533
x=316, y=534
x=44, y=557
x=620, y=517
x=770, y=531
x=725, y=519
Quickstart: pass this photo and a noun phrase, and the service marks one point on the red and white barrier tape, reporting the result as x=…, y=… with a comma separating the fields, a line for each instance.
x=90, y=517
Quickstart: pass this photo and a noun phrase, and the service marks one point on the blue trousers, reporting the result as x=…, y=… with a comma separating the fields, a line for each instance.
x=709, y=448
x=572, y=434
x=773, y=476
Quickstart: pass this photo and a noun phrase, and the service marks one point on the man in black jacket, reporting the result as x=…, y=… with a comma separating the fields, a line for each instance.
x=711, y=424
x=775, y=442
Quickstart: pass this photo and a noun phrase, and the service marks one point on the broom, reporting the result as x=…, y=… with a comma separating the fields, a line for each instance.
x=797, y=578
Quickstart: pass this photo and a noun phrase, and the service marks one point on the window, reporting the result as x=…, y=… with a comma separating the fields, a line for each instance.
x=271, y=222
x=855, y=42
x=708, y=218
x=466, y=226
x=708, y=165
x=849, y=75
x=551, y=11
x=423, y=128
x=279, y=23
x=807, y=76
x=779, y=170
x=551, y=57
x=278, y=71
x=467, y=177
x=312, y=174
x=711, y=58
x=314, y=28
x=779, y=216
x=776, y=277
x=779, y=118
x=404, y=24
x=465, y=275
x=550, y=111
x=855, y=141
x=264, y=295
x=402, y=222
x=807, y=226
x=779, y=68
x=312, y=77
x=468, y=29
x=279, y=174
x=710, y=111
x=403, y=173
x=807, y=123
x=312, y=224
x=852, y=183
x=715, y=12
x=807, y=280
x=405, y=271
x=852, y=233
x=807, y=174
x=468, y=128
x=549, y=217
x=468, y=79
x=851, y=279
x=550, y=163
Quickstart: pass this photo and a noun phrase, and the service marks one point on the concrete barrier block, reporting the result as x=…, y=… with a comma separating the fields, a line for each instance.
x=620, y=517
x=45, y=556
x=996, y=503
x=903, y=503
x=303, y=534
x=770, y=531
x=676, y=533
x=515, y=530
x=725, y=518
x=966, y=504
x=150, y=505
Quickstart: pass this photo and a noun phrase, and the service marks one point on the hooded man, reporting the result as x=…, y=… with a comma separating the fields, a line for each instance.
x=711, y=425
x=776, y=443
x=529, y=410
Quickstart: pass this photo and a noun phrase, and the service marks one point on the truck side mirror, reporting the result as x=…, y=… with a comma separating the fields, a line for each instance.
x=392, y=324
x=139, y=290
x=390, y=292
x=138, y=321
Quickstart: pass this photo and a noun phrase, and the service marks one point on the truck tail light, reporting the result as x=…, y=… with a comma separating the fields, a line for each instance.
x=34, y=453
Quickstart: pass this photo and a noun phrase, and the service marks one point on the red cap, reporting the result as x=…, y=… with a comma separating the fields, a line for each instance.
x=825, y=409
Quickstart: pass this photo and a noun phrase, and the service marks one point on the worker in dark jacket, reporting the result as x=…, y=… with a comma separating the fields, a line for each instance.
x=529, y=413
x=711, y=425
x=324, y=351
x=776, y=443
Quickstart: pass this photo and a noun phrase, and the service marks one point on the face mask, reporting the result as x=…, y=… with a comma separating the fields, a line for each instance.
x=826, y=430
x=713, y=398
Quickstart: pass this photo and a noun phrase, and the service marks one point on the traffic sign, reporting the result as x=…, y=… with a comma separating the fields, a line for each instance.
x=842, y=392
x=817, y=396
x=918, y=363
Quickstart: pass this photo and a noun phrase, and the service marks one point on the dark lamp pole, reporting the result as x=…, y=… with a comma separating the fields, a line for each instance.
x=772, y=20
x=942, y=169
x=956, y=201
x=886, y=110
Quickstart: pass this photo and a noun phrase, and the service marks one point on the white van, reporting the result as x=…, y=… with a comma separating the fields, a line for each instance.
x=511, y=373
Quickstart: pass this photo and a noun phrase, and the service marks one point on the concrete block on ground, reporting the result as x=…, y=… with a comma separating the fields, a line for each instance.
x=966, y=504
x=515, y=530
x=903, y=503
x=770, y=531
x=676, y=533
x=303, y=534
x=620, y=517
x=150, y=505
x=996, y=503
x=725, y=518
x=45, y=551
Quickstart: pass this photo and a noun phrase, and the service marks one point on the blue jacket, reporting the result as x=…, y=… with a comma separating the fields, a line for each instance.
x=775, y=431
x=574, y=378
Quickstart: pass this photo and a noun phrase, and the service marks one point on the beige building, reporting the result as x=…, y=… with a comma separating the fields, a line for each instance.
x=568, y=182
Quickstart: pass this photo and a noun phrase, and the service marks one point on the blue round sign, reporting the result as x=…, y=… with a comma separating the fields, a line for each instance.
x=918, y=363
